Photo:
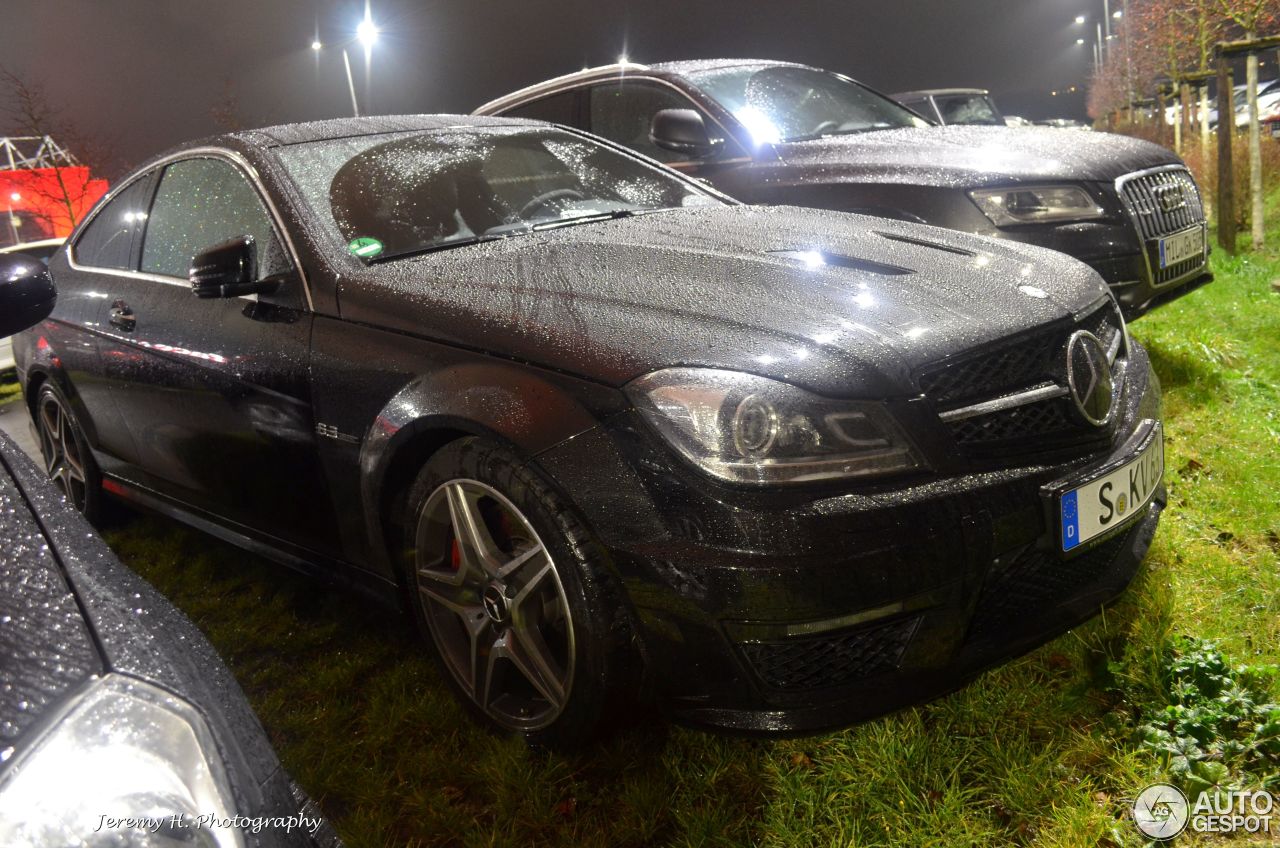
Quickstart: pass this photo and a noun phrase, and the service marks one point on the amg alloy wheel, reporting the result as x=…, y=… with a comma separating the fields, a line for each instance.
x=527, y=620
x=495, y=604
x=65, y=455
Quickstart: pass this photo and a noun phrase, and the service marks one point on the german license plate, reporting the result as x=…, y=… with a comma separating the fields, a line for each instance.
x=1108, y=501
x=1182, y=246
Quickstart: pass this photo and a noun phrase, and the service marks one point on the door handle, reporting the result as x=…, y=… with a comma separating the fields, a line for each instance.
x=122, y=316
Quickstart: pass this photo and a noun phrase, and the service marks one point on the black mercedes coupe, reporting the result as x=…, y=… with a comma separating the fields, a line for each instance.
x=605, y=431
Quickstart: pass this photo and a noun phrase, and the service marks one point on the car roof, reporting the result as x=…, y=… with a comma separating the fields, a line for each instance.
x=300, y=133
x=614, y=71
x=27, y=245
x=930, y=92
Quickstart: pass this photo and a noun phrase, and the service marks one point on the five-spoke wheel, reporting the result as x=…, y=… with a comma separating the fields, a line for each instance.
x=514, y=593
x=494, y=603
x=66, y=457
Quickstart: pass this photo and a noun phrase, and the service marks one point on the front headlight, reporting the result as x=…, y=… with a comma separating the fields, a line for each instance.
x=129, y=764
x=1036, y=204
x=748, y=429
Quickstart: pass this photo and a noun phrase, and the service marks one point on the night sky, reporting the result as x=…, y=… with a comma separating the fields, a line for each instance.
x=144, y=75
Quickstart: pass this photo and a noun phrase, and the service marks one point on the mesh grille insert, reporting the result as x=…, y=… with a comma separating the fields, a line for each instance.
x=822, y=661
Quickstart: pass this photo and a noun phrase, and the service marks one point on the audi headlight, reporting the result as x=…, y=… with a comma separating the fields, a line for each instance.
x=128, y=764
x=1036, y=204
x=748, y=429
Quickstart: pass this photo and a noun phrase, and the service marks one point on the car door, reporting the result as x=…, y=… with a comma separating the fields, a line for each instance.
x=622, y=111
x=100, y=255
x=217, y=391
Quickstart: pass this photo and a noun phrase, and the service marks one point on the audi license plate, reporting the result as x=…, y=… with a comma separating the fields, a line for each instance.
x=1108, y=501
x=1182, y=246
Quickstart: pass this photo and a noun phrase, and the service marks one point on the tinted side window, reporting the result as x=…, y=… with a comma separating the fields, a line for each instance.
x=623, y=113
x=108, y=239
x=558, y=109
x=201, y=203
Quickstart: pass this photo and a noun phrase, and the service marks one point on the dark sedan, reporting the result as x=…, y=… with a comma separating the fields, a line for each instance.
x=774, y=132
x=119, y=725
x=605, y=430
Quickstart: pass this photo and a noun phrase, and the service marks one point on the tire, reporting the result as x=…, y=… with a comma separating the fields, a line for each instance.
x=505, y=581
x=65, y=453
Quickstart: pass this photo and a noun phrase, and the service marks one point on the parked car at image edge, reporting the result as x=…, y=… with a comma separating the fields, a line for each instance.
x=112, y=702
x=945, y=106
x=38, y=250
x=603, y=430
x=779, y=133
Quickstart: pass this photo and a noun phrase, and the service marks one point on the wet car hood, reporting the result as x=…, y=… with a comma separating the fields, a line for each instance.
x=969, y=156
x=710, y=287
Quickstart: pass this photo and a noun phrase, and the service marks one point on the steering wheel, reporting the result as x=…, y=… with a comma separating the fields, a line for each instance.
x=548, y=197
x=825, y=127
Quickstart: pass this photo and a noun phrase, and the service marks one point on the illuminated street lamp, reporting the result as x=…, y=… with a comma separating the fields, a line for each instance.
x=1079, y=19
x=367, y=34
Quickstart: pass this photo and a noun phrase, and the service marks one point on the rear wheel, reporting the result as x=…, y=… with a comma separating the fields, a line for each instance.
x=513, y=593
x=65, y=453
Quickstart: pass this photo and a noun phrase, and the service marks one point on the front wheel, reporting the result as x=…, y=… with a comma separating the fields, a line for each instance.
x=507, y=583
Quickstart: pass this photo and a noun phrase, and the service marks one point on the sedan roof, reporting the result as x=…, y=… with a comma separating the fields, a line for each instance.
x=300, y=133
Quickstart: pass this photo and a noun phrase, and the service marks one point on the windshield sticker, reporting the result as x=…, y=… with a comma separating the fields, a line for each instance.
x=365, y=247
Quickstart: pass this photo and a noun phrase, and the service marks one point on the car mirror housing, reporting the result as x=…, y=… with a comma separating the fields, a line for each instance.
x=229, y=269
x=27, y=294
x=682, y=131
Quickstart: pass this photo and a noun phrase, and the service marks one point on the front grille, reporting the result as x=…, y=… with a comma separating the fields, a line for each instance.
x=1022, y=364
x=1015, y=596
x=1154, y=220
x=1034, y=419
x=1033, y=361
x=816, y=662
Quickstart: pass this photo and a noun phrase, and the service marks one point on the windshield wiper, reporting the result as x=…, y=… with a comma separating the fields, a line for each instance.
x=830, y=133
x=586, y=219
x=444, y=245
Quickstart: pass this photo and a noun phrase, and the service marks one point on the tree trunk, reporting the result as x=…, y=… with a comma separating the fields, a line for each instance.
x=1226, y=187
x=1204, y=142
x=1255, y=153
x=1184, y=112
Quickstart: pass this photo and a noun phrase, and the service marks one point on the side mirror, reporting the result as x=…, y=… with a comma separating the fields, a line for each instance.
x=229, y=269
x=682, y=131
x=27, y=294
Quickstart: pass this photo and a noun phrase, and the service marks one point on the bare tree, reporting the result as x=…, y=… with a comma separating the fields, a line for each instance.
x=70, y=187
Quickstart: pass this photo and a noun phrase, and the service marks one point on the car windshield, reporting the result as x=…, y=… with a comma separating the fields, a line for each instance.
x=788, y=103
x=398, y=194
x=967, y=109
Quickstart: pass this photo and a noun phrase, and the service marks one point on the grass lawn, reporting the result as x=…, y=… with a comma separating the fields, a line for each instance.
x=9, y=389
x=1041, y=751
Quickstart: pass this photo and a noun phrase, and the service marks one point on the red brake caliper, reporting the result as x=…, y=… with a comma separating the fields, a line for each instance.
x=455, y=555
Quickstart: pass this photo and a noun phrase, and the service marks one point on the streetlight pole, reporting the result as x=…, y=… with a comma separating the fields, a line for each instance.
x=351, y=85
x=366, y=34
x=13, y=229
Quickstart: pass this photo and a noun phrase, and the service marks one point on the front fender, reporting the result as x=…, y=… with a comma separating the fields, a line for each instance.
x=528, y=410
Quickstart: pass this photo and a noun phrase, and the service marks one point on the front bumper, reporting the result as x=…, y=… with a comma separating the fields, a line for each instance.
x=788, y=613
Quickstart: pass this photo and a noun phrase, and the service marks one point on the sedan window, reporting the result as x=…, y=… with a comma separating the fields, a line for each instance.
x=107, y=240
x=403, y=193
x=623, y=113
x=788, y=103
x=202, y=203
